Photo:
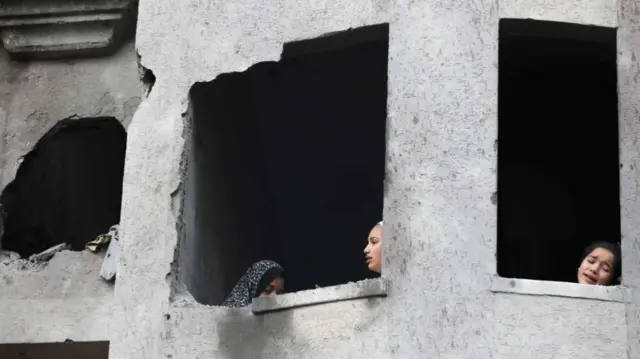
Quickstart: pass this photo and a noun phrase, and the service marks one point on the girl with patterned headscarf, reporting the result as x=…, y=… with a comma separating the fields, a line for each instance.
x=263, y=278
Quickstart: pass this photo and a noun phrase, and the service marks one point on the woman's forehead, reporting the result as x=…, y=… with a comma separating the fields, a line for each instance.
x=602, y=253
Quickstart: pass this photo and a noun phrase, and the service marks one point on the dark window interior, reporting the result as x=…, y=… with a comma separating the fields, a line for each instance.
x=287, y=164
x=67, y=350
x=558, y=168
x=68, y=189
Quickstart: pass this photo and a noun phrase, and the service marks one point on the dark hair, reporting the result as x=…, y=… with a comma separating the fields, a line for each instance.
x=614, y=248
x=267, y=277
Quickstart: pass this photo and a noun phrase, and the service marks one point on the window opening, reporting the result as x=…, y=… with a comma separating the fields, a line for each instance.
x=287, y=164
x=67, y=350
x=68, y=189
x=558, y=167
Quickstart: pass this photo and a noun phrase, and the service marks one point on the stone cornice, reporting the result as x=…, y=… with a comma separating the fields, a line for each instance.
x=63, y=28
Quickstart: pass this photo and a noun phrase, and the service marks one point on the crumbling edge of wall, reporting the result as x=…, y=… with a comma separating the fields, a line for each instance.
x=560, y=289
x=367, y=288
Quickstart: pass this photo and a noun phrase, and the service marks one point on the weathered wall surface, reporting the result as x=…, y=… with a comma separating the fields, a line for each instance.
x=62, y=299
x=629, y=111
x=35, y=95
x=600, y=13
x=65, y=299
x=68, y=274
x=440, y=222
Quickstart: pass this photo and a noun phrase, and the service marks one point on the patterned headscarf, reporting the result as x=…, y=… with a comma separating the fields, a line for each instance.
x=252, y=283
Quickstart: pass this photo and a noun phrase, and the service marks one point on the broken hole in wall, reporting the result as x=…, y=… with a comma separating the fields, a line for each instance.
x=68, y=189
x=147, y=77
x=66, y=350
x=148, y=80
x=558, y=167
x=287, y=163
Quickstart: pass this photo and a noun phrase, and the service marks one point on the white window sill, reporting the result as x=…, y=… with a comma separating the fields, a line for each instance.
x=363, y=289
x=559, y=289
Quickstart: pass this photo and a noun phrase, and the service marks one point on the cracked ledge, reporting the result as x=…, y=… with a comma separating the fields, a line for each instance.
x=363, y=289
x=560, y=289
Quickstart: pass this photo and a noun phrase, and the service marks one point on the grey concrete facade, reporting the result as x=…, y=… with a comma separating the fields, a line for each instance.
x=51, y=29
x=63, y=299
x=442, y=299
x=35, y=95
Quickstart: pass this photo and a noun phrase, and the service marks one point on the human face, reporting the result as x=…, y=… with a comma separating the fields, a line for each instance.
x=275, y=287
x=596, y=267
x=373, y=250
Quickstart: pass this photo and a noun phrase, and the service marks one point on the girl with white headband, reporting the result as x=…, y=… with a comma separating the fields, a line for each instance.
x=373, y=250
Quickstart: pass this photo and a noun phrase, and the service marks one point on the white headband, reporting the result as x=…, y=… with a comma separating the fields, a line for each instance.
x=380, y=223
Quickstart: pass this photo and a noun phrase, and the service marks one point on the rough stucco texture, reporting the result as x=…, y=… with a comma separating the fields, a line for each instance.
x=64, y=299
x=54, y=301
x=35, y=95
x=629, y=105
x=440, y=223
x=67, y=274
x=601, y=13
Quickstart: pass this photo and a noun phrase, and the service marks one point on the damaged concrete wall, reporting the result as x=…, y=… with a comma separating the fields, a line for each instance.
x=35, y=95
x=56, y=300
x=63, y=298
x=68, y=188
x=440, y=222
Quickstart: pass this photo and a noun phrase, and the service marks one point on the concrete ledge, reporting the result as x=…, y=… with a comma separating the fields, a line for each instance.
x=559, y=289
x=587, y=12
x=45, y=30
x=363, y=289
x=46, y=8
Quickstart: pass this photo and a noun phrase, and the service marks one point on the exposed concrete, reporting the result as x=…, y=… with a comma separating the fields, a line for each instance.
x=7, y=257
x=49, y=253
x=363, y=289
x=57, y=320
x=35, y=29
x=559, y=289
x=64, y=298
x=35, y=95
x=440, y=222
x=629, y=127
x=240, y=334
x=68, y=274
x=600, y=13
x=57, y=300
